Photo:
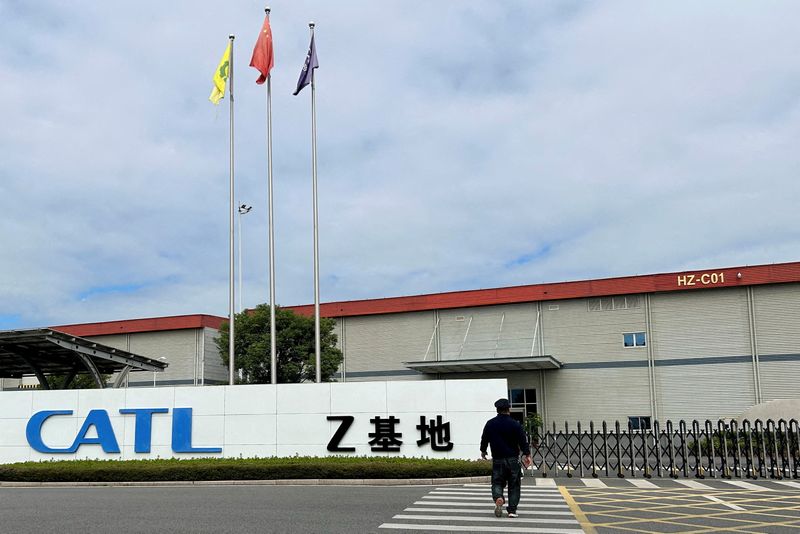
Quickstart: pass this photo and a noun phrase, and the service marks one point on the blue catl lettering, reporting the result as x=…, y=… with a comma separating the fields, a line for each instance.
x=96, y=418
x=100, y=421
x=182, y=432
x=143, y=431
x=33, y=431
x=105, y=434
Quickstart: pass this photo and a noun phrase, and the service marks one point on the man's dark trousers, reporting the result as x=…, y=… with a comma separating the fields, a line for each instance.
x=506, y=470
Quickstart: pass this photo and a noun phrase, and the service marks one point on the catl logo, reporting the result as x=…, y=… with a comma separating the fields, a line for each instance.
x=100, y=422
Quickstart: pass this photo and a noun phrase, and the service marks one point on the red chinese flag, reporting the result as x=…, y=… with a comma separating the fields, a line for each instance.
x=263, y=59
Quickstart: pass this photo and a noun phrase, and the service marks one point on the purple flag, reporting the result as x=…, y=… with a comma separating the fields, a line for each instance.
x=308, y=68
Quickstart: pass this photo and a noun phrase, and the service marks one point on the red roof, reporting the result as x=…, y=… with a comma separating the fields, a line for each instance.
x=651, y=283
x=179, y=322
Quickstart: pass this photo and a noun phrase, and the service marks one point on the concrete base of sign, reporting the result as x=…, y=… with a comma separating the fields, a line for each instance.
x=431, y=418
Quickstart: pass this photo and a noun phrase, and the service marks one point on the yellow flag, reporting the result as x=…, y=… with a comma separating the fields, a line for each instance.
x=221, y=76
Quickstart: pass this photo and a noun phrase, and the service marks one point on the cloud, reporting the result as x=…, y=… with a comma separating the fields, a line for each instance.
x=461, y=145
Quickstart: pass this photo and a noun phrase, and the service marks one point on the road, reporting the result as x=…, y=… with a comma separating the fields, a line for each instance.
x=201, y=509
x=563, y=506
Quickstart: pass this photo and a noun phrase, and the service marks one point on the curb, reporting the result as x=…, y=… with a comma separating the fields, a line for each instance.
x=288, y=482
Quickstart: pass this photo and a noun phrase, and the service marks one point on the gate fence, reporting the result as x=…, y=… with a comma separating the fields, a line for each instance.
x=726, y=450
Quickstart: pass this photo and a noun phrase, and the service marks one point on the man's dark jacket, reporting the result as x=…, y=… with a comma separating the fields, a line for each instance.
x=505, y=436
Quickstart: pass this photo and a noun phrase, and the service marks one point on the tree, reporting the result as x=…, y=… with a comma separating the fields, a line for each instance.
x=80, y=381
x=295, y=346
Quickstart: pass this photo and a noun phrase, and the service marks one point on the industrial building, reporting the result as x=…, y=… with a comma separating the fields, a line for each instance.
x=684, y=345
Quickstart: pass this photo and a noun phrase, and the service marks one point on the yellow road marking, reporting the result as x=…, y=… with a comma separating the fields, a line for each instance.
x=670, y=503
x=613, y=511
x=586, y=525
x=718, y=515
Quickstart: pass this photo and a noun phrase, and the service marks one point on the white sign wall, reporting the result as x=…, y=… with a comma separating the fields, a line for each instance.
x=432, y=418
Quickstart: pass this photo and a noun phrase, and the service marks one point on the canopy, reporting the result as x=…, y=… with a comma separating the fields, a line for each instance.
x=481, y=365
x=43, y=352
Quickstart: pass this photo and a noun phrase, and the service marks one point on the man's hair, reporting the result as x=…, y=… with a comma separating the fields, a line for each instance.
x=504, y=410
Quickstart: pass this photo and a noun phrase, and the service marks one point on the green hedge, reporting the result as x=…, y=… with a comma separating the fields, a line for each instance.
x=240, y=469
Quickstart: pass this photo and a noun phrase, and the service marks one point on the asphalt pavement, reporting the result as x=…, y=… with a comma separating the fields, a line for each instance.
x=561, y=506
x=201, y=509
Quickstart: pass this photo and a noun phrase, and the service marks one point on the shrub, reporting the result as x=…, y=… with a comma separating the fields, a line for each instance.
x=240, y=469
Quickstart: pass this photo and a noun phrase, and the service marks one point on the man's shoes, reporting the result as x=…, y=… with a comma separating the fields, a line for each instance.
x=498, y=506
x=512, y=514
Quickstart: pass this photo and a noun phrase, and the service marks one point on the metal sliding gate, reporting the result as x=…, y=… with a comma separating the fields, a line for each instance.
x=757, y=449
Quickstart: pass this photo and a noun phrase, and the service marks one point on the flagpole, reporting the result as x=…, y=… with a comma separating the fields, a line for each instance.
x=231, y=291
x=318, y=359
x=273, y=343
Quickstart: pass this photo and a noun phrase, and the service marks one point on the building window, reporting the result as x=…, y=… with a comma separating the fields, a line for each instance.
x=639, y=422
x=634, y=339
x=623, y=302
x=523, y=398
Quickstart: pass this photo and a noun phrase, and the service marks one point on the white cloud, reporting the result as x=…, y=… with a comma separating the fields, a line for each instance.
x=461, y=144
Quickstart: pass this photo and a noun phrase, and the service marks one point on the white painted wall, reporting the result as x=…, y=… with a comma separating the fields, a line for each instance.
x=257, y=420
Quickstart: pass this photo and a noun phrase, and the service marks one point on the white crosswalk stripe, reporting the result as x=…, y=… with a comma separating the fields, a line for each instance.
x=593, y=483
x=746, y=485
x=545, y=486
x=693, y=484
x=546, y=482
x=485, y=489
x=466, y=518
x=488, y=494
x=474, y=511
x=479, y=504
x=469, y=508
x=795, y=485
x=476, y=528
x=643, y=484
x=483, y=498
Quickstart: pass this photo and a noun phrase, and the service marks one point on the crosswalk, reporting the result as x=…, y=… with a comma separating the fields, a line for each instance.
x=543, y=508
x=707, y=484
x=666, y=483
x=469, y=508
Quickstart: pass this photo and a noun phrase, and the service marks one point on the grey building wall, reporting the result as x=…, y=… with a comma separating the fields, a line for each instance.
x=776, y=311
x=710, y=353
x=596, y=394
x=212, y=370
x=574, y=332
x=702, y=354
x=191, y=353
x=600, y=378
x=375, y=347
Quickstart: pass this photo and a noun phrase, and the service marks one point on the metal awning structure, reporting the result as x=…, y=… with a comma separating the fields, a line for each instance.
x=482, y=365
x=43, y=352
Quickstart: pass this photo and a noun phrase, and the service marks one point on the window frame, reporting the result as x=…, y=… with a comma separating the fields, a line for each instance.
x=639, y=420
x=634, y=339
x=629, y=302
x=527, y=405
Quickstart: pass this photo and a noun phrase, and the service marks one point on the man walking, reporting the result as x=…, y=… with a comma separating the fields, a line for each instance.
x=507, y=439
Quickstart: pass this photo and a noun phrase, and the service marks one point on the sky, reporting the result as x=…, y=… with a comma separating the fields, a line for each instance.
x=461, y=145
